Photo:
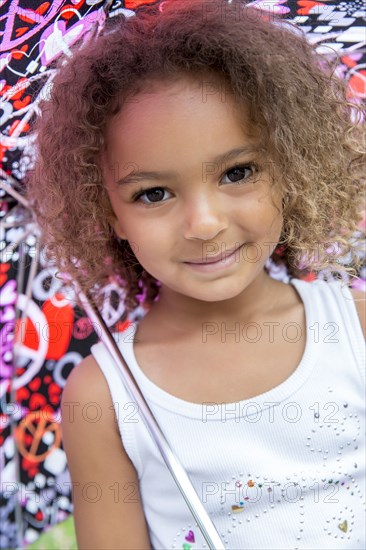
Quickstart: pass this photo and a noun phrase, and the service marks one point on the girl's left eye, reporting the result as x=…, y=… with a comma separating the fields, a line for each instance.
x=239, y=173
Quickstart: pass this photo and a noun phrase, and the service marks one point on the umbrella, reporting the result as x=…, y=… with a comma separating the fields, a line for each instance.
x=36, y=355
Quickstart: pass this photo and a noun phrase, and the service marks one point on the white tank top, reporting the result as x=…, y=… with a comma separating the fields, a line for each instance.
x=282, y=470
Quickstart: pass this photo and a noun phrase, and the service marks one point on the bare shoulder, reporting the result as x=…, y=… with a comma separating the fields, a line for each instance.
x=360, y=303
x=86, y=382
x=104, y=480
x=86, y=402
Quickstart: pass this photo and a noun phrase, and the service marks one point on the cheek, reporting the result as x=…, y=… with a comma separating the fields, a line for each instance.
x=260, y=217
x=146, y=240
x=274, y=226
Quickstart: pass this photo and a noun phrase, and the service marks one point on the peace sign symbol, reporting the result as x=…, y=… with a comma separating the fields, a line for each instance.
x=39, y=424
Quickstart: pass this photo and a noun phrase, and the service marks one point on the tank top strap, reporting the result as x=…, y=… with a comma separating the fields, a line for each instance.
x=126, y=409
x=336, y=308
x=352, y=325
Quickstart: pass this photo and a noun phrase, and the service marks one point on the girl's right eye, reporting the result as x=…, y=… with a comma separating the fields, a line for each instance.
x=154, y=195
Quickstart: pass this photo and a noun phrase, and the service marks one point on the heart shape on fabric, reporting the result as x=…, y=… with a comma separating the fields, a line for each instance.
x=190, y=537
x=237, y=509
x=343, y=526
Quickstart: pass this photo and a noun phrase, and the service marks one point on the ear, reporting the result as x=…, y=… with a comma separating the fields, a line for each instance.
x=118, y=230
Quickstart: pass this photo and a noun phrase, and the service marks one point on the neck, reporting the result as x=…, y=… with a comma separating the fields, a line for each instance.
x=178, y=312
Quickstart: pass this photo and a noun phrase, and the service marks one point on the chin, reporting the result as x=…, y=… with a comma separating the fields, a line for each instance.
x=216, y=296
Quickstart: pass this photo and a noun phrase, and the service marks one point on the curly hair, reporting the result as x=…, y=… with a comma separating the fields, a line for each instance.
x=311, y=130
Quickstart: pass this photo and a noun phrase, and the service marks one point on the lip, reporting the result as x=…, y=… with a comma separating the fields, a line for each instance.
x=224, y=262
x=214, y=259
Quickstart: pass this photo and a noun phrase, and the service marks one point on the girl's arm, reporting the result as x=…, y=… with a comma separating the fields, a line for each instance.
x=107, y=506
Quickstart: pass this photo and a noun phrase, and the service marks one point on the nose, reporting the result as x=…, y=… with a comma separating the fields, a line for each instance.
x=204, y=218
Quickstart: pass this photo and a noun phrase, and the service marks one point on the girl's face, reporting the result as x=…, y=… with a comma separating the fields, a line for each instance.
x=187, y=183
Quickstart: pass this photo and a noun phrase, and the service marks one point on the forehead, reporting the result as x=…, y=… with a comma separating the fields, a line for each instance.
x=187, y=119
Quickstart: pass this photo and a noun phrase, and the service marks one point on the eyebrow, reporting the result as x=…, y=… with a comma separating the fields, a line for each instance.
x=134, y=177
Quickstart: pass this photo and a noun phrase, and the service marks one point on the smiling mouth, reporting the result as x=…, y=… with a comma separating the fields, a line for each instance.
x=216, y=259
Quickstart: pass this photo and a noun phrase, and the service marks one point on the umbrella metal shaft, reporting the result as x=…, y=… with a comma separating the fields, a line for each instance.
x=180, y=476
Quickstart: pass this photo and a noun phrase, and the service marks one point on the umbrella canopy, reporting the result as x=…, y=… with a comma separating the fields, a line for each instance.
x=43, y=333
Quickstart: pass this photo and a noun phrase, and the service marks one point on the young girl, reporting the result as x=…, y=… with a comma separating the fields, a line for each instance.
x=184, y=152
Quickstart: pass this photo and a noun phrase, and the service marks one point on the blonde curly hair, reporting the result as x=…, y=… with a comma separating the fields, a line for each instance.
x=311, y=131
